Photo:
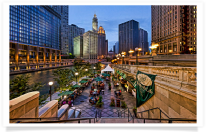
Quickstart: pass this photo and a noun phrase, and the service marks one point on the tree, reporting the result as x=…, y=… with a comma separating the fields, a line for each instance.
x=63, y=77
x=19, y=86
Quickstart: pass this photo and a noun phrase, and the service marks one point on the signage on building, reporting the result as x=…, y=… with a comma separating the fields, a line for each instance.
x=145, y=87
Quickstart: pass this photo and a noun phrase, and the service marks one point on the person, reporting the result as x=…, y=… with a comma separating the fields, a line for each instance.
x=98, y=92
x=64, y=102
x=91, y=92
x=69, y=102
x=91, y=100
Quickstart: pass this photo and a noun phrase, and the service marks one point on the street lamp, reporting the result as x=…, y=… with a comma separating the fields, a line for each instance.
x=86, y=71
x=131, y=52
x=94, y=70
x=76, y=74
x=137, y=52
x=122, y=60
x=153, y=48
x=50, y=84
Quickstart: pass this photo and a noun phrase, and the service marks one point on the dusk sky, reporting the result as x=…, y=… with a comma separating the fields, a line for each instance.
x=109, y=17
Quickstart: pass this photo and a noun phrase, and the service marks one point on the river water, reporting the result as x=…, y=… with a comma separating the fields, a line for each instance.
x=40, y=76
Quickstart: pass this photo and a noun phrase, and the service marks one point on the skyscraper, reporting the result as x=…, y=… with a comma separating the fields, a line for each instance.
x=128, y=36
x=64, y=12
x=174, y=28
x=34, y=36
x=102, y=51
x=78, y=46
x=90, y=46
x=143, y=41
x=73, y=32
x=95, y=23
x=117, y=47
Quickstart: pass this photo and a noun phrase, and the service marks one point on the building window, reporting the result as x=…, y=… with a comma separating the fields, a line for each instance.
x=174, y=46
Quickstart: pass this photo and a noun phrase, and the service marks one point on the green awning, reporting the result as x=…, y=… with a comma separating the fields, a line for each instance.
x=105, y=74
x=86, y=78
x=65, y=93
x=76, y=86
x=98, y=79
x=83, y=81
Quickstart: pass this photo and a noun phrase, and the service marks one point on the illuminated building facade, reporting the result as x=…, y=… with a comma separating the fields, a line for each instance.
x=64, y=12
x=74, y=31
x=174, y=28
x=78, y=46
x=34, y=36
x=102, y=47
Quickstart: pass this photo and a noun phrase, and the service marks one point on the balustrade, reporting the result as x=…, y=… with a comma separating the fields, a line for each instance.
x=184, y=74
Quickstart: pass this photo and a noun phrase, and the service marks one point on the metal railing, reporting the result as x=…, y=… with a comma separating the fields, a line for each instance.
x=55, y=121
x=170, y=120
x=130, y=115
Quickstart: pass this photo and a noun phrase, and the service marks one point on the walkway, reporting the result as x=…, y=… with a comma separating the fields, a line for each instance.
x=88, y=110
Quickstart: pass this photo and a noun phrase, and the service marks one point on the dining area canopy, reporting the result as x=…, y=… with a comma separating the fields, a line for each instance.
x=108, y=68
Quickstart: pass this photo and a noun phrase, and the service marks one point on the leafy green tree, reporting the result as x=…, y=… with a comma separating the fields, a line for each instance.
x=63, y=77
x=20, y=86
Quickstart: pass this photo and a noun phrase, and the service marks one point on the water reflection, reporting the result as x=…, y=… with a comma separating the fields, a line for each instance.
x=41, y=76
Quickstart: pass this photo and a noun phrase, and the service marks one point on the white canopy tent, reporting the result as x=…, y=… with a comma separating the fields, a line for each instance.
x=108, y=68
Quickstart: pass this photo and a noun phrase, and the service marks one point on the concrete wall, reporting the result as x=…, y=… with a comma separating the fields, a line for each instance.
x=25, y=106
x=175, y=91
x=49, y=110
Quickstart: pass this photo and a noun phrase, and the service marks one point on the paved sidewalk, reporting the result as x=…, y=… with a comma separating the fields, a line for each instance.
x=88, y=110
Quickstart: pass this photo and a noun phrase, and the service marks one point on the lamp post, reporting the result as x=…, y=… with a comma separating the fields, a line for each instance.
x=94, y=70
x=76, y=74
x=122, y=61
x=50, y=84
x=86, y=71
x=153, y=48
x=137, y=52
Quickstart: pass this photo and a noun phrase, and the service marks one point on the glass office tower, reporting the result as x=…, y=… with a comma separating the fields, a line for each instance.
x=34, y=34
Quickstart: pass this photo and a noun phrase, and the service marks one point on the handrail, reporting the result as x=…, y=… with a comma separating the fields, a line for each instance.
x=153, y=109
x=169, y=119
x=61, y=121
x=129, y=113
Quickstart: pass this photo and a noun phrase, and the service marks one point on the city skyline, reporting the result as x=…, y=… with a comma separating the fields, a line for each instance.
x=109, y=17
x=91, y=83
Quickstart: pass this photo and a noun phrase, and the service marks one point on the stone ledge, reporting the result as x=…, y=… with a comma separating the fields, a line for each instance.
x=176, y=89
x=47, y=108
x=23, y=99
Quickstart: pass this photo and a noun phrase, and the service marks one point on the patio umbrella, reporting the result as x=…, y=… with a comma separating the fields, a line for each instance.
x=105, y=74
x=65, y=93
x=83, y=81
x=98, y=79
x=76, y=86
x=86, y=78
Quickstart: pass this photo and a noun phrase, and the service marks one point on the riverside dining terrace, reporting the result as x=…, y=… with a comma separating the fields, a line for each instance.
x=88, y=109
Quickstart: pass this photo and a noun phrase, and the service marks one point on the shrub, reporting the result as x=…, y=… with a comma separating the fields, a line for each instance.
x=112, y=102
x=123, y=104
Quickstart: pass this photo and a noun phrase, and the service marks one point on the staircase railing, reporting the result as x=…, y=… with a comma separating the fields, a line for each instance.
x=57, y=121
x=130, y=115
x=170, y=120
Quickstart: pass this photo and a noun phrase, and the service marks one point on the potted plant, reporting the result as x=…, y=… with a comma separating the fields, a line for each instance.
x=112, y=102
x=109, y=86
x=135, y=111
x=99, y=102
x=123, y=104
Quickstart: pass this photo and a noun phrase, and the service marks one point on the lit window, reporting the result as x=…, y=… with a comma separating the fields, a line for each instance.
x=194, y=16
x=194, y=25
x=194, y=38
x=194, y=11
x=194, y=29
x=194, y=42
x=194, y=7
x=194, y=33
